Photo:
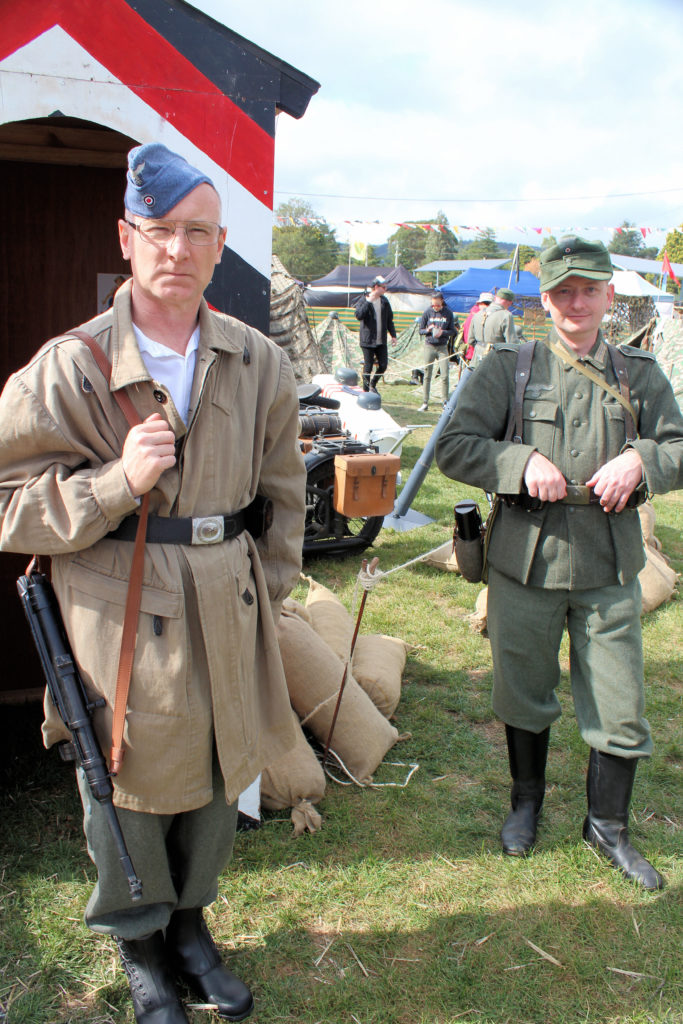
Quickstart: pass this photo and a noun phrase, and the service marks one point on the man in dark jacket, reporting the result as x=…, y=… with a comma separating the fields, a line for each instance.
x=376, y=322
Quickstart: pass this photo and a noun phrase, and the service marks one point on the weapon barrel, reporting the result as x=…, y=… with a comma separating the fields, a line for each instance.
x=69, y=697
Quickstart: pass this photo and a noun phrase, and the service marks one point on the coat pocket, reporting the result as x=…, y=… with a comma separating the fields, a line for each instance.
x=94, y=609
x=153, y=601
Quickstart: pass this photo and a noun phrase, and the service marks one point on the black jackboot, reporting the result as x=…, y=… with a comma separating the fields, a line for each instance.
x=193, y=954
x=152, y=986
x=527, y=752
x=608, y=787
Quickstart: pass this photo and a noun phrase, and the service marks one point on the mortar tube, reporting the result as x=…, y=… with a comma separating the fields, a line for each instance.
x=424, y=462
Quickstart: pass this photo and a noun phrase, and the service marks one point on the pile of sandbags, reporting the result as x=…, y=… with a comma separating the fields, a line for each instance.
x=314, y=641
x=657, y=579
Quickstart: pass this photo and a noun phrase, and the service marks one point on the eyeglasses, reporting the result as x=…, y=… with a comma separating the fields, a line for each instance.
x=160, y=232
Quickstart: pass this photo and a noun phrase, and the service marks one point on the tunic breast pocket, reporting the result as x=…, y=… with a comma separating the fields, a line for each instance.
x=540, y=423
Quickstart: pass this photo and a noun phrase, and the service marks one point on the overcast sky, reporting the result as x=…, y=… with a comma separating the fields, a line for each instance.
x=538, y=114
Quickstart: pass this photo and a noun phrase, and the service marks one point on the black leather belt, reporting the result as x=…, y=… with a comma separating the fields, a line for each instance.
x=256, y=518
x=577, y=494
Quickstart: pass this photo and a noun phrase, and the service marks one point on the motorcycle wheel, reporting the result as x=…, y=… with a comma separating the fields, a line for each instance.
x=329, y=533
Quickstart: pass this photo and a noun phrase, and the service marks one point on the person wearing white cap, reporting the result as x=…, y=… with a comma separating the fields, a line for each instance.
x=207, y=707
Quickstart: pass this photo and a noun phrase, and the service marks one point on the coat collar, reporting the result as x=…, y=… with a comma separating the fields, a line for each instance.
x=217, y=333
x=597, y=356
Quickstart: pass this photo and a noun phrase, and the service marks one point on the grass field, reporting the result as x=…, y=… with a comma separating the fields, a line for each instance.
x=401, y=909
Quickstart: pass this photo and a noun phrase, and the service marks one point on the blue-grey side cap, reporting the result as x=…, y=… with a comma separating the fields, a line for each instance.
x=158, y=179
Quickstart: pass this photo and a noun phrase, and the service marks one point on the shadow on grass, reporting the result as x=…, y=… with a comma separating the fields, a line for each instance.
x=587, y=963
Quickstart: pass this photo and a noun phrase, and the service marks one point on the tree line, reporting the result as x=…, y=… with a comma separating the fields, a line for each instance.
x=309, y=249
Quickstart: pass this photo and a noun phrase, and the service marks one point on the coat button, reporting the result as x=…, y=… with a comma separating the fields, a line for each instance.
x=160, y=396
x=578, y=394
x=574, y=453
x=576, y=423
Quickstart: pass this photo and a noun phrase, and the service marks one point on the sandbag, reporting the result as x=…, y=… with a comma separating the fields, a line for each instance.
x=647, y=525
x=296, y=608
x=362, y=735
x=297, y=781
x=478, y=620
x=330, y=619
x=443, y=558
x=305, y=818
x=377, y=665
x=657, y=581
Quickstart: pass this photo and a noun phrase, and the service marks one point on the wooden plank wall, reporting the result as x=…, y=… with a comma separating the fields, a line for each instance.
x=58, y=231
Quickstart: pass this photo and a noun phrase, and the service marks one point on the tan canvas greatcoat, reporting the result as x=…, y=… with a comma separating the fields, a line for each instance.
x=62, y=489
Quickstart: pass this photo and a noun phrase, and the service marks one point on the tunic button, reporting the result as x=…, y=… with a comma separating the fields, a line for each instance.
x=578, y=394
x=574, y=453
x=160, y=396
x=576, y=423
x=532, y=414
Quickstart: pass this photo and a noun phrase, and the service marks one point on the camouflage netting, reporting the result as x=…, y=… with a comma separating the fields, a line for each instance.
x=629, y=314
x=289, y=327
x=408, y=355
x=338, y=345
x=668, y=348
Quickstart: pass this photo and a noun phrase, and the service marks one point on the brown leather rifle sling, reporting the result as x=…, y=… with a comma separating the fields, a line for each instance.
x=134, y=594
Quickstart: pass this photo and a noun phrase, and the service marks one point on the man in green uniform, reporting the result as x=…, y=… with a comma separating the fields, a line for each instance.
x=568, y=550
x=494, y=324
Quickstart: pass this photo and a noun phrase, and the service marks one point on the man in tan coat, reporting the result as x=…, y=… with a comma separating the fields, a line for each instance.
x=208, y=706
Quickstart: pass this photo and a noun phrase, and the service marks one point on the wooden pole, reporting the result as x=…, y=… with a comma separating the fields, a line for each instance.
x=364, y=565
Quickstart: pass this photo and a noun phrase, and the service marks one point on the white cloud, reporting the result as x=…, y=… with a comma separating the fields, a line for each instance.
x=465, y=105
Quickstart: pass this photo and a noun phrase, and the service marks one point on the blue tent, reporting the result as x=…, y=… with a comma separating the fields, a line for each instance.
x=463, y=291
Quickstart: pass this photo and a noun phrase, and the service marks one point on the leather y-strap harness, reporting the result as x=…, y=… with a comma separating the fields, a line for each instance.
x=515, y=426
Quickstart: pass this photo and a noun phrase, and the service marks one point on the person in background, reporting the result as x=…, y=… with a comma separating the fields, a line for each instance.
x=473, y=329
x=463, y=344
x=208, y=707
x=598, y=429
x=376, y=324
x=494, y=325
x=437, y=326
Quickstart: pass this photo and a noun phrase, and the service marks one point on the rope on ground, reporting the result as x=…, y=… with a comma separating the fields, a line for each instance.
x=352, y=781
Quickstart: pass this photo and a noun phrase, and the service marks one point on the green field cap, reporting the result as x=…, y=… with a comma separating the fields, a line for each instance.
x=574, y=257
x=505, y=293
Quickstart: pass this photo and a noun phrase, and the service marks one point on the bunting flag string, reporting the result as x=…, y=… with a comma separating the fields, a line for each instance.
x=457, y=229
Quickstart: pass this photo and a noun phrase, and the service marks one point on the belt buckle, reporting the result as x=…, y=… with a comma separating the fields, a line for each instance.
x=208, y=530
x=578, y=494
